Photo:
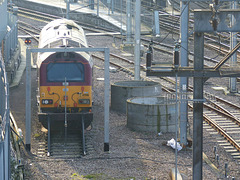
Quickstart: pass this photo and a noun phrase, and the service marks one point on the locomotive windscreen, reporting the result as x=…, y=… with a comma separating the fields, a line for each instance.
x=57, y=72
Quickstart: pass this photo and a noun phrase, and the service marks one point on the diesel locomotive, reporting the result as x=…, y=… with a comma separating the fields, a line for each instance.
x=65, y=78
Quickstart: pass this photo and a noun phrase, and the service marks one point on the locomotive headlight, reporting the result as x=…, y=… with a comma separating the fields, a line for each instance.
x=84, y=101
x=47, y=101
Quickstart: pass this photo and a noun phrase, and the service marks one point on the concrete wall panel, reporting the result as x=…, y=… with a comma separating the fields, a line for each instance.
x=123, y=90
x=150, y=117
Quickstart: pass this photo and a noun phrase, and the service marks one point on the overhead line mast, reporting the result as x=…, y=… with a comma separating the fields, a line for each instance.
x=199, y=73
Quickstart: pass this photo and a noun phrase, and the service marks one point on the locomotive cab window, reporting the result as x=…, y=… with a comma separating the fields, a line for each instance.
x=56, y=72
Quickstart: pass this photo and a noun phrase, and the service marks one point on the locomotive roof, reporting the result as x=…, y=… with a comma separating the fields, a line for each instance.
x=59, y=33
x=59, y=29
x=63, y=21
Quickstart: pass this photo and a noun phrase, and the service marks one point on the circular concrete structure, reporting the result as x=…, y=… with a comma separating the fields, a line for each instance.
x=123, y=90
x=151, y=114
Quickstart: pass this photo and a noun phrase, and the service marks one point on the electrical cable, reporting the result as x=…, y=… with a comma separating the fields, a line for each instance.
x=26, y=152
x=175, y=22
x=53, y=94
x=73, y=95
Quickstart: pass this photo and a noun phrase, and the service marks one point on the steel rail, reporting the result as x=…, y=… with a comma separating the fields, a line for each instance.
x=211, y=122
x=222, y=131
x=205, y=117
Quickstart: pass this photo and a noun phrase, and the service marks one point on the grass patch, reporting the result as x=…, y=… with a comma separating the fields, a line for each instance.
x=37, y=135
x=99, y=176
x=76, y=176
x=93, y=176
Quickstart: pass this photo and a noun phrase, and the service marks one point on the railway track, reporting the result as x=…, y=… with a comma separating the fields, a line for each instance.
x=62, y=142
x=224, y=117
x=216, y=117
x=219, y=42
x=168, y=22
x=162, y=47
x=44, y=17
x=70, y=144
x=221, y=115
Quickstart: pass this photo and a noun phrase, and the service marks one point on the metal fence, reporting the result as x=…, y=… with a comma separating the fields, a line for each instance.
x=120, y=6
x=11, y=39
x=4, y=124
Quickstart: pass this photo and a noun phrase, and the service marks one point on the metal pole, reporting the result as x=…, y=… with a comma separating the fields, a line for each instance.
x=2, y=99
x=2, y=102
x=137, y=39
x=65, y=106
x=49, y=136
x=1, y=158
x=7, y=151
x=233, y=43
x=68, y=9
x=91, y=4
x=176, y=128
x=65, y=114
x=156, y=30
x=129, y=21
x=198, y=107
x=28, y=100
x=121, y=16
x=108, y=2
x=2, y=92
x=112, y=6
x=106, y=100
x=184, y=63
x=97, y=8
x=8, y=133
x=83, y=137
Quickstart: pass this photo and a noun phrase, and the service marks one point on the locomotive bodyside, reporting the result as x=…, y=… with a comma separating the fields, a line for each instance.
x=65, y=79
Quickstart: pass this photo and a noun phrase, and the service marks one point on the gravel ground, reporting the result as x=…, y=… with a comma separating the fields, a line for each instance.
x=133, y=155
